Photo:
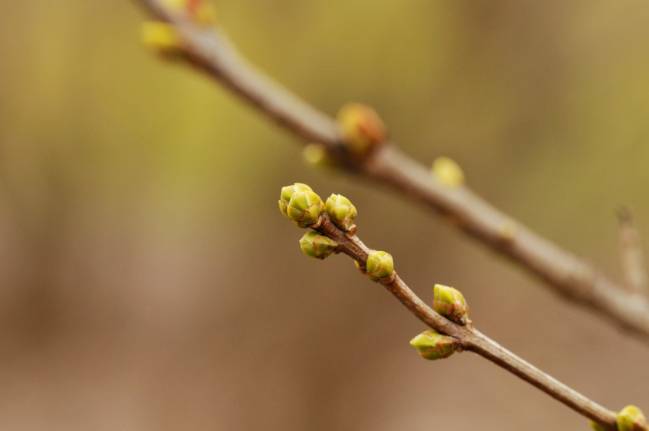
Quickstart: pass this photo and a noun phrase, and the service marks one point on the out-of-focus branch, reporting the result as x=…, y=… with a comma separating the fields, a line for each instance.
x=632, y=256
x=209, y=50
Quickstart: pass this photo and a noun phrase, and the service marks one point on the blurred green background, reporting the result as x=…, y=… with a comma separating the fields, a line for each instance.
x=149, y=282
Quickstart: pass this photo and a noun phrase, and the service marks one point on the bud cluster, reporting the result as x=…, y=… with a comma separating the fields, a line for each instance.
x=301, y=204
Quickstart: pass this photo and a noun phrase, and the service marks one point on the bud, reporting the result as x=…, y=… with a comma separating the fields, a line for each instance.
x=287, y=192
x=341, y=211
x=448, y=172
x=630, y=418
x=161, y=37
x=199, y=11
x=304, y=208
x=361, y=128
x=596, y=427
x=318, y=246
x=433, y=345
x=317, y=155
x=359, y=266
x=380, y=265
x=450, y=303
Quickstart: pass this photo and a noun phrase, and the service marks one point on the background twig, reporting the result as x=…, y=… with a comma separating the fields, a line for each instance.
x=210, y=51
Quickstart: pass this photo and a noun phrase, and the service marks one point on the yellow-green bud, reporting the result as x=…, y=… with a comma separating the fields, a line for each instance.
x=596, y=427
x=631, y=418
x=450, y=302
x=199, y=11
x=341, y=211
x=287, y=192
x=161, y=37
x=361, y=128
x=317, y=155
x=448, y=172
x=304, y=207
x=318, y=246
x=433, y=345
x=380, y=265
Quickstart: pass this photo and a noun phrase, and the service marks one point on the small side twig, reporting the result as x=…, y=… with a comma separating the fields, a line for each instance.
x=631, y=254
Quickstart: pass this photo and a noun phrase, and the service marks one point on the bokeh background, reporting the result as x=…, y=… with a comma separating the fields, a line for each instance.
x=148, y=281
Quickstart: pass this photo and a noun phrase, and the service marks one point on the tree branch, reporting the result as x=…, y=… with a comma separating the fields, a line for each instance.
x=470, y=338
x=209, y=50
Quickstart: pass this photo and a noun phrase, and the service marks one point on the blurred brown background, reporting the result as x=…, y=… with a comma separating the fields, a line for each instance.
x=148, y=281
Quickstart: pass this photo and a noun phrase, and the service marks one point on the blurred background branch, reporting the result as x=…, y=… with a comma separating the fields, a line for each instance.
x=581, y=283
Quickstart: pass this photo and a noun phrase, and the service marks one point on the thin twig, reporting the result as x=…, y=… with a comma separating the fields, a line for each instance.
x=470, y=338
x=210, y=51
x=631, y=254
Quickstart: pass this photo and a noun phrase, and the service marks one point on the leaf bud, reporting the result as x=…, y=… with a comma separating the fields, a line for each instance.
x=450, y=303
x=341, y=211
x=304, y=208
x=432, y=345
x=631, y=418
x=161, y=37
x=287, y=192
x=448, y=172
x=315, y=245
x=361, y=127
x=380, y=265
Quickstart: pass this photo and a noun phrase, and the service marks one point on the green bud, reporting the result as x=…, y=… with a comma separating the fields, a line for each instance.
x=317, y=155
x=450, y=302
x=287, y=192
x=596, y=427
x=341, y=211
x=630, y=418
x=380, y=265
x=448, y=172
x=433, y=345
x=361, y=127
x=304, y=208
x=318, y=246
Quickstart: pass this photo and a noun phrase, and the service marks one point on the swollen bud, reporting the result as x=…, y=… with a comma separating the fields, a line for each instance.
x=304, y=208
x=317, y=155
x=341, y=211
x=161, y=37
x=448, y=172
x=318, y=246
x=199, y=11
x=380, y=265
x=433, y=345
x=450, y=303
x=596, y=427
x=361, y=127
x=630, y=418
x=287, y=192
